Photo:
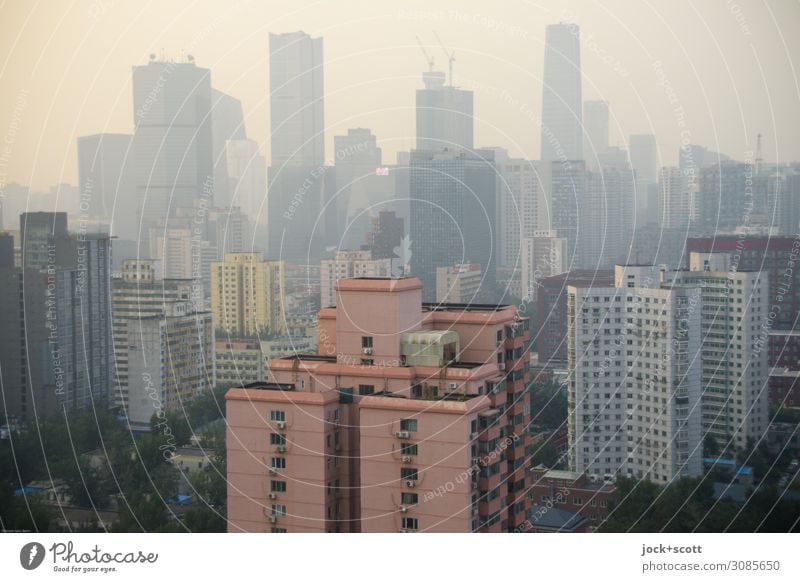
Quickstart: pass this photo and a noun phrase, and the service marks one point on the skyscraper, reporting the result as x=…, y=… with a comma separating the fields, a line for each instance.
x=562, y=121
x=172, y=141
x=444, y=115
x=227, y=123
x=595, y=119
x=357, y=157
x=296, y=173
x=453, y=198
x=105, y=175
x=675, y=199
x=644, y=159
x=246, y=169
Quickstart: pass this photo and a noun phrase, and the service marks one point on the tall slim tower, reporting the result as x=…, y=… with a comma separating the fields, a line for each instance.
x=562, y=135
x=296, y=173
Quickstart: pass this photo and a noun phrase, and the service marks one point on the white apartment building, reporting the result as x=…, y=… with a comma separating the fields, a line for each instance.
x=347, y=265
x=543, y=255
x=634, y=391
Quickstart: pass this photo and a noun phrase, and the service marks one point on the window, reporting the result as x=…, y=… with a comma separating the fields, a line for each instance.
x=277, y=416
x=366, y=342
x=278, y=463
x=409, y=498
x=408, y=449
x=278, y=530
x=366, y=389
x=367, y=362
x=277, y=486
x=410, y=523
x=277, y=439
x=408, y=474
x=409, y=424
x=278, y=510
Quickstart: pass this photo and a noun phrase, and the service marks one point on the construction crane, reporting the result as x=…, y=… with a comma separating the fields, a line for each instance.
x=451, y=57
x=427, y=56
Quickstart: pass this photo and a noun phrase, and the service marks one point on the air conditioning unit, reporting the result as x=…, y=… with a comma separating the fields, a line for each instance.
x=476, y=461
x=501, y=365
x=473, y=435
x=273, y=519
x=367, y=351
x=281, y=424
x=273, y=495
x=406, y=458
x=272, y=471
x=402, y=530
x=411, y=483
x=403, y=509
x=281, y=448
x=337, y=447
x=402, y=434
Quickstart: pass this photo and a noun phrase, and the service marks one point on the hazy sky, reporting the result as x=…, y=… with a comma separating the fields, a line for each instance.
x=65, y=69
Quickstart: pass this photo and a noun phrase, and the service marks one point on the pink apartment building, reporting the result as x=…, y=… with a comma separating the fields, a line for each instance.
x=413, y=417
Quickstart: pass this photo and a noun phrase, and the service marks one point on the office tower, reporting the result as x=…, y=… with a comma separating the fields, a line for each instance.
x=644, y=159
x=346, y=265
x=58, y=303
x=453, y=214
x=296, y=172
x=634, y=388
x=171, y=358
x=172, y=141
x=675, y=200
x=770, y=255
x=228, y=230
x=137, y=292
x=735, y=371
x=567, y=196
x=247, y=295
x=444, y=115
x=725, y=196
x=458, y=284
x=105, y=175
x=248, y=182
x=595, y=139
x=543, y=255
x=385, y=236
x=181, y=251
x=521, y=204
x=357, y=158
x=403, y=398
x=44, y=240
x=562, y=123
x=551, y=311
x=227, y=124
x=605, y=218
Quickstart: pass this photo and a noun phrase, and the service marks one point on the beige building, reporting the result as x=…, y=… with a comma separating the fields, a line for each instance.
x=243, y=361
x=348, y=265
x=458, y=284
x=247, y=294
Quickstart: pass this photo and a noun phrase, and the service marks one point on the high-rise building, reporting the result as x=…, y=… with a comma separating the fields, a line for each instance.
x=44, y=240
x=675, y=200
x=724, y=196
x=734, y=370
x=634, y=387
x=551, y=311
x=403, y=398
x=562, y=120
x=453, y=198
x=522, y=207
x=595, y=141
x=105, y=175
x=137, y=293
x=543, y=255
x=458, y=284
x=384, y=238
x=171, y=358
x=241, y=361
x=346, y=265
x=357, y=158
x=247, y=295
x=605, y=218
x=296, y=176
x=227, y=124
x=247, y=178
x=444, y=115
x=644, y=159
x=172, y=141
